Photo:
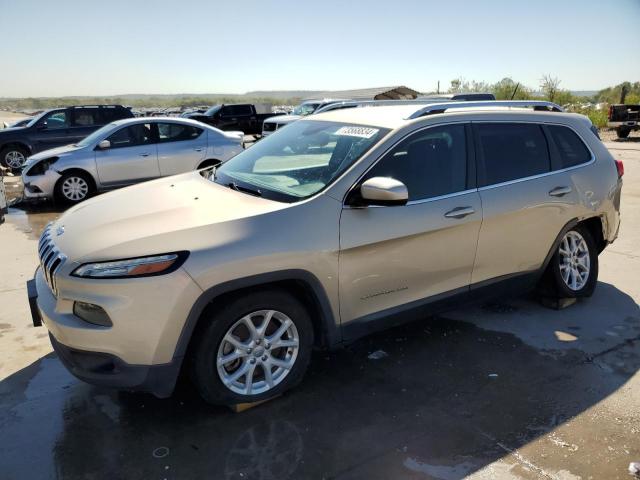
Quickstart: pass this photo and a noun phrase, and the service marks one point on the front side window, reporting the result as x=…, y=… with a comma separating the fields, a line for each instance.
x=300, y=160
x=175, y=132
x=430, y=163
x=510, y=151
x=571, y=150
x=86, y=117
x=131, y=136
x=57, y=120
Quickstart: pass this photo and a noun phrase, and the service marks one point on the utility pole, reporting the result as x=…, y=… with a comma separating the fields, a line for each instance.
x=438, y=91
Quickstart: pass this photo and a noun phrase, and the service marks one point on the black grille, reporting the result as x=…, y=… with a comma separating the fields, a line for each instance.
x=50, y=258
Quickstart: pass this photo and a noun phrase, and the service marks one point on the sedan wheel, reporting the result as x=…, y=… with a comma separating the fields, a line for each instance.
x=75, y=189
x=14, y=159
x=258, y=352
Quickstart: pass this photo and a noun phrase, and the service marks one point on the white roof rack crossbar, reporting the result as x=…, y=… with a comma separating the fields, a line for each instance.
x=444, y=106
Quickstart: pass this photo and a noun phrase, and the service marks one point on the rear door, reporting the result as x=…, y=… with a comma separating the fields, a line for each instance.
x=181, y=147
x=525, y=202
x=392, y=256
x=131, y=158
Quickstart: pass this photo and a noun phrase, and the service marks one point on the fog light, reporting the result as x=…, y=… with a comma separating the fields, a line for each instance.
x=91, y=313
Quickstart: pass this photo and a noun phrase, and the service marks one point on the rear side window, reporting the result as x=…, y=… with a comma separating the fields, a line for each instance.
x=571, y=149
x=86, y=117
x=430, y=163
x=511, y=151
x=111, y=114
x=174, y=132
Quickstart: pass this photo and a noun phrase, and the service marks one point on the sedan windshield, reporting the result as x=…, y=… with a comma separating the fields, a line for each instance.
x=298, y=161
x=96, y=136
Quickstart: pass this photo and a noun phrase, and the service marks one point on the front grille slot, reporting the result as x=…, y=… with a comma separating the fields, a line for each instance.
x=51, y=259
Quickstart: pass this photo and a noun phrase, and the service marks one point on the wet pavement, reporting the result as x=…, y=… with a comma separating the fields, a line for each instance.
x=503, y=390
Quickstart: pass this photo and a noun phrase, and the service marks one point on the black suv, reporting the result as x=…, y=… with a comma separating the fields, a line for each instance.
x=55, y=128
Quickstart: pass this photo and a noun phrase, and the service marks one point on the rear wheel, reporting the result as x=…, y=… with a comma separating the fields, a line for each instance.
x=623, y=132
x=574, y=266
x=73, y=187
x=255, y=347
x=13, y=157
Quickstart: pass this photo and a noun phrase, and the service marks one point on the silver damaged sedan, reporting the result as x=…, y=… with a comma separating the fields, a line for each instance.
x=124, y=153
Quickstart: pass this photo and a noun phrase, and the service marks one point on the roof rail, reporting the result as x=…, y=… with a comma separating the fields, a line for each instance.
x=444, y=106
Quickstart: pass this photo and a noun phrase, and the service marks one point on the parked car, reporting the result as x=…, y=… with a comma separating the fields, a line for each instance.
x=624, y=118
x=307, y=107
x=240, y=116
x=341, y=224
x=54, y=128
x=126, y=152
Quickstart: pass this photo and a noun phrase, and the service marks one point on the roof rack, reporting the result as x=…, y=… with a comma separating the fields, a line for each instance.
x=435, y=108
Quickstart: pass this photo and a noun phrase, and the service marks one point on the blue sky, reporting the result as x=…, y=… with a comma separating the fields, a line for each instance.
x=84, y=47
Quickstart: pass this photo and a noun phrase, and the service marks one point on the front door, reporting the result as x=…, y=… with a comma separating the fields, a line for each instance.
x=396, y=256
x=53, y=130
x=132, y=156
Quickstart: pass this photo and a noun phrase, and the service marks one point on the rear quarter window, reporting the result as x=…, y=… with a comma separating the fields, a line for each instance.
x=571, y=149
x=510, y=151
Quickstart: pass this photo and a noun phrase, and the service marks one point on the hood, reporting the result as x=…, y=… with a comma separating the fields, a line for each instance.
x=282, y=119
x=183, y=212
x=10, y=130
x=54, y=152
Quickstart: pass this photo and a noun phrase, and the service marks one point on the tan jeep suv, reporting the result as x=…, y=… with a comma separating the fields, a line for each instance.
x=336, y=226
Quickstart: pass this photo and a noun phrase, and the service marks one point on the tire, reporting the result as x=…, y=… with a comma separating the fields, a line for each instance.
x=73, y=187
x=573, y=270
x=623, y=132
x=255, y=354
x=13, y=157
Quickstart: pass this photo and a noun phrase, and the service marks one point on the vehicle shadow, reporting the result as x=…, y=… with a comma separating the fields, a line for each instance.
x=444, y=398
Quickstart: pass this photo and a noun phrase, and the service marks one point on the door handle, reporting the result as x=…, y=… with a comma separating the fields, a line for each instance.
x=198, y=149
x=560, y=191
x=459, y=212
x=144, y=154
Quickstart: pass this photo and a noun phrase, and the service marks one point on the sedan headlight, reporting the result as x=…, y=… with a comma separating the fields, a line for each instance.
x=133, y=267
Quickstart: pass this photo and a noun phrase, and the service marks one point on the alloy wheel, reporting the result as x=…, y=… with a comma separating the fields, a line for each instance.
x=75, y=188
x=257, y=352
x=575, y=262
x=14, y=159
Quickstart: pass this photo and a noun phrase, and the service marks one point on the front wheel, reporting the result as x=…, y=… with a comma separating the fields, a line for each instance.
x=254, y=348
x=13, y=157
x=574, y=267
x=73, y=187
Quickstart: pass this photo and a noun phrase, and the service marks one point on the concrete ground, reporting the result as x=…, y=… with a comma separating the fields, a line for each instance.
x=506, y=390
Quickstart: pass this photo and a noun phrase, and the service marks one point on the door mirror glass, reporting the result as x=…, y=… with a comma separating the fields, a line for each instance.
x=384, y=191
x=104, y=145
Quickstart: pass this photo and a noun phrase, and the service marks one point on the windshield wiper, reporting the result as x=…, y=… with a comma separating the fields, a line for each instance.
x=238, y=188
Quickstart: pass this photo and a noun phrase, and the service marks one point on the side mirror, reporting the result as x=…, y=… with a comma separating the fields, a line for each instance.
x=384, y=191
x=104, y=145
x=42, y=126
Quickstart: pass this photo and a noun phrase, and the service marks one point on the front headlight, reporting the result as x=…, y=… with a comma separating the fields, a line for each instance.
x=132, y=267
x=41, y=166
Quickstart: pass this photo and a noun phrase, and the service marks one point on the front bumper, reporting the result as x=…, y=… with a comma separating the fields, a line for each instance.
x=40, y=186
x=136, y=353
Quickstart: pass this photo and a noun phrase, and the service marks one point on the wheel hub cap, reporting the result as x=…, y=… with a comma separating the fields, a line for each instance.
x=75, y=188
x=575, y=262
x=257, y=352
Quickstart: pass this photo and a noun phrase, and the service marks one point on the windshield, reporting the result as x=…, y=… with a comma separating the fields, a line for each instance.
x=213, y=110
x=298, y=161
x=96, y=136
x=305, y=109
